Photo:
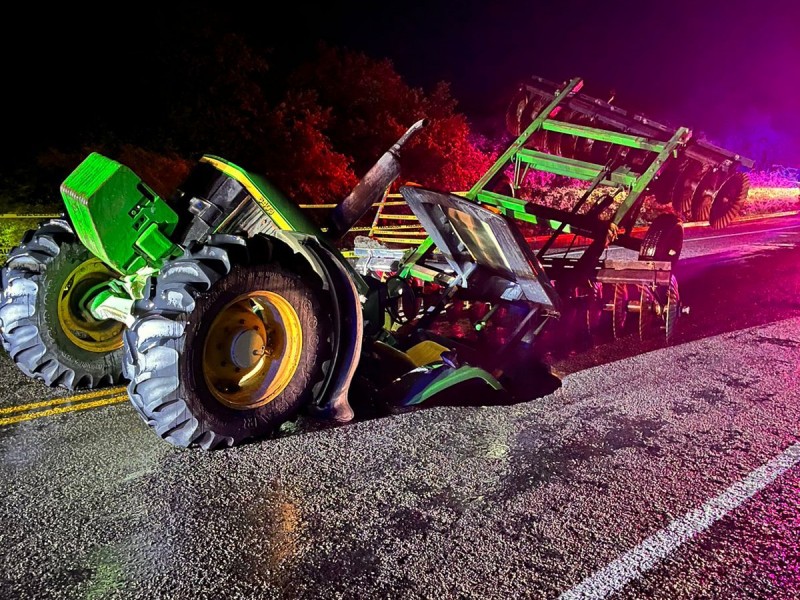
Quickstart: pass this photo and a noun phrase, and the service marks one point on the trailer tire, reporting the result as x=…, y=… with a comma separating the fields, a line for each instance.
x=38, y=328
x=176, y=349
x=663, y=240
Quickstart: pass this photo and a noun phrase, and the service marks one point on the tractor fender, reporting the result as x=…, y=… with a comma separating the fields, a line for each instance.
x=347, y=319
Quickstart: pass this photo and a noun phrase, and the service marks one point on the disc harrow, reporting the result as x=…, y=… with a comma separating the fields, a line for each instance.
x=690, y=181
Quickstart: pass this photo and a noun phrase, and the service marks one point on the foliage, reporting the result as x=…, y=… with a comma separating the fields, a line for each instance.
x=298, y=155
x=370, y=106
x=12, y=230
x=313, y=130
x=780, y=177
x=217, y=97
x=162, y=172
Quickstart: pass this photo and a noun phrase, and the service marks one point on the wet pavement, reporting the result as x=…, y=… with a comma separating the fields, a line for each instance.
x=664, y=472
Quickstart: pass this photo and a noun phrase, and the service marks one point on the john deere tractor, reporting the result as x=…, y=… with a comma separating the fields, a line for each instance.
x=226, y=309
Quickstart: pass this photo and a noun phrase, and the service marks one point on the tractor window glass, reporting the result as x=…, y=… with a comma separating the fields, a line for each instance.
x=481, y=241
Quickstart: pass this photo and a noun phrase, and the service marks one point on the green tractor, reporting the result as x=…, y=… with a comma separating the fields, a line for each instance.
x=226, y=310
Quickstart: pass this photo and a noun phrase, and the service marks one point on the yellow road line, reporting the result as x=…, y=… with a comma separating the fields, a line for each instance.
x=62, y=400
x=63, y=409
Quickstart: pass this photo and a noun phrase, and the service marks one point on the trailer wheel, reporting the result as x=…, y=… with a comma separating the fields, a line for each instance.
x=229, y=351
x=47, y=332
x=663, y=240
x=598, y=319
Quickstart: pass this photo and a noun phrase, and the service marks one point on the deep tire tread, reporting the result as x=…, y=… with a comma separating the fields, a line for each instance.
x=22, y=310
x=158, y=337
x=665, y=233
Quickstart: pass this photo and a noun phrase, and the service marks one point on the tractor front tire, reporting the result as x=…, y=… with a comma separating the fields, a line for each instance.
x=230, y=349
x=41, y=328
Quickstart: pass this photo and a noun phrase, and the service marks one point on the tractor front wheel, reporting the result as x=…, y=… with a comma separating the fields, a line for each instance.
x=44, y=323
x=230, y=350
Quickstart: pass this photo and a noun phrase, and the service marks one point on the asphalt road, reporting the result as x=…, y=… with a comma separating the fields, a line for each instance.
x=663, y=472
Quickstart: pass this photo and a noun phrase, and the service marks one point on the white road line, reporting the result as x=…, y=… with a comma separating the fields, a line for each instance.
x=634, y=563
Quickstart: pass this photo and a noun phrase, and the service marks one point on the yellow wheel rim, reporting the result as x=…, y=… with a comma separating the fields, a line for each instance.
x=78, y=324
x=252, y=350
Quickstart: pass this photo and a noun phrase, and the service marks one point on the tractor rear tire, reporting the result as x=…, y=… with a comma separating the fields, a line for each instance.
x=182, y=352
x=44, y=338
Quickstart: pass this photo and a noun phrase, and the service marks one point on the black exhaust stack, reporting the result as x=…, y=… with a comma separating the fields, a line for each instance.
x=371, y=188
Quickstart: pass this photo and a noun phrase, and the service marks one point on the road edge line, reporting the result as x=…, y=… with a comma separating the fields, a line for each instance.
x=646, y=555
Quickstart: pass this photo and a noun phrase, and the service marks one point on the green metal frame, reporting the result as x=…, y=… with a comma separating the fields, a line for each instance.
x=561, y=221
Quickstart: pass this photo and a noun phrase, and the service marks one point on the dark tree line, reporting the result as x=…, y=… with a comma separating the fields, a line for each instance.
x=313, y=127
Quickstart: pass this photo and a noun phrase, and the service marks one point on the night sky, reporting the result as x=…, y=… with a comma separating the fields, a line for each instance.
x=728, y=69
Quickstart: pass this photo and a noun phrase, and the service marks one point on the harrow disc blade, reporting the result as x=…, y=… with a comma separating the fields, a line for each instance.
x=521, y=111
x=672, y=309
x=728, y=200
x=648, y=319
x=516, y=108
x=553, y=142
x=569, y=142
x=579, y=148
x=597, y=318
x=601, y=153
x=662, y=187
x=703, y=194
x=588, y=150
x=620, y=310
x=538, y=141
x=684, y=186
